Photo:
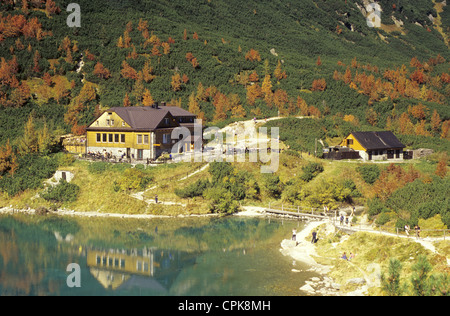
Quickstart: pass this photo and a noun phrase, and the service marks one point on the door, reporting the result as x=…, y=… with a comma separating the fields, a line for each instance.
x=128, y=153
x=140, y=154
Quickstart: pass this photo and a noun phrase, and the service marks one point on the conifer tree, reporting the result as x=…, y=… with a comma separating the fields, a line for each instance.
x=29, y=142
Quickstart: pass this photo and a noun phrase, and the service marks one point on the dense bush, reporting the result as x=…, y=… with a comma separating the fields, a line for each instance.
x=33, y=170
x=369, y=172
x=132, y=179
x=193, y=190
x=62, y=192
x=311, y=170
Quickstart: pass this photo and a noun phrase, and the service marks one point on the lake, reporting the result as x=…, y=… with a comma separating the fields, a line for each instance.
x=229, y=256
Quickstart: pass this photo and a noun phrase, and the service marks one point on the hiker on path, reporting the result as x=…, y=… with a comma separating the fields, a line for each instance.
x=407, y=228
x=294, y=235
x=314, y=237
x=417, y=229
x=156, y=199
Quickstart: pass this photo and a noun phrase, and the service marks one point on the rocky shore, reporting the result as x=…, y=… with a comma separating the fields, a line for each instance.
x=302, y=250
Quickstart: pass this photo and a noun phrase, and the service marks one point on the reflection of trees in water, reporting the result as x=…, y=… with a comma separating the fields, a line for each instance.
x=160, y=256
x=27, y=251
x=229, y=233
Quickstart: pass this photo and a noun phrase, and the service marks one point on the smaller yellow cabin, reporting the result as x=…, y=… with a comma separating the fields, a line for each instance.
x=382, y=145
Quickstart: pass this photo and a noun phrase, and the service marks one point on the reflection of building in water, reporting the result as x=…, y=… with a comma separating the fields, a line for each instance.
x=150, y=269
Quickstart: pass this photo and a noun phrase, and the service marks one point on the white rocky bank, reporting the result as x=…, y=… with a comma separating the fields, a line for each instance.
x=302, y=250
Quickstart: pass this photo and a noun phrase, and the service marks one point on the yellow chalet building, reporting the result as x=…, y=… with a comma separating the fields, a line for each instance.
x=383, y=145
x=137, y=133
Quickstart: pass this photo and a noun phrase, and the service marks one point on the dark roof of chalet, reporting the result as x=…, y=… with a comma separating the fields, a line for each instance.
x=378, y=140
x=147, y=117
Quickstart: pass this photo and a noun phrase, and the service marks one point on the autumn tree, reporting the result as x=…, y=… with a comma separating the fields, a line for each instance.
x=237, y=110
x=435, y=121
x=128, y=72
x=253, y=93
x=319, y=61
x=126, y=101
x=36, y=59
x=445, y=130
x=8, y=160
x=29, y=142
x=279, y=73
x=301, y=104
x=147, y=72
x=393, y=178
x=176, y=82
x=319, y=85
x=266, y=90
x=253, y=55
x=194, y=107
x=371, y=116
x=441, y=168
x=221, y=105
x=418, y=111
x=147, y=99
x=280, y=99
x=51, y=8
x=101, y=72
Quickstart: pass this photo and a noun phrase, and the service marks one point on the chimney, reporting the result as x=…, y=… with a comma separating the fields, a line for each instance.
x=163, y=103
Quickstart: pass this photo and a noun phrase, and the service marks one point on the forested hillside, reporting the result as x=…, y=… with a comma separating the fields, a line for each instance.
x=224, y=60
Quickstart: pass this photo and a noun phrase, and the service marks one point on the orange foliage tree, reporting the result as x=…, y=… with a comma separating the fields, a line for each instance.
x=393, y=178
x=101, y=72
x=8, y=160
x=253, y=55
x=319, y=85
x=128, y=72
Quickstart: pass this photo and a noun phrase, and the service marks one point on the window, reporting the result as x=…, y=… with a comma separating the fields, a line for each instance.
x=107, y=122
x=110, y=138
x=99, y=138
x=349, y=142
x=112, y=122
x=166, y=138
x=146, y=139
x=123, y=124
x=116, y=138
x=104, y=138
x=139, y=139
x=166, y=121
x=122, y=138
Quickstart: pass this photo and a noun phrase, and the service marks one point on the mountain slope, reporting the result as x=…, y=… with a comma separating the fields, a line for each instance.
x=288, y=35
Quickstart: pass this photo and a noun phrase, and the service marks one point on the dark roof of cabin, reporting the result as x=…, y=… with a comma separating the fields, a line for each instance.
x=378, y=140
x=147, y=117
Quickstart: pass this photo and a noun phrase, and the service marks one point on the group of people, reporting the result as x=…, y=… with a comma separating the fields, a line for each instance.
x=347, y=220
x=314, y=239
x=344, y=256
x=416, y=229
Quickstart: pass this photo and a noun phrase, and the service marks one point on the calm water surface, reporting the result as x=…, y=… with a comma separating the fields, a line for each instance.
x=226, y=257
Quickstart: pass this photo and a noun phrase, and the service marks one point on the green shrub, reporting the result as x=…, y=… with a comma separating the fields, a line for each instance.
x=369, y=172
x=62, y=192
x=132, y=179
x=195, y=189
x=376, y=206
x=221, y=200
x=272, y=185
x=311, y=170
